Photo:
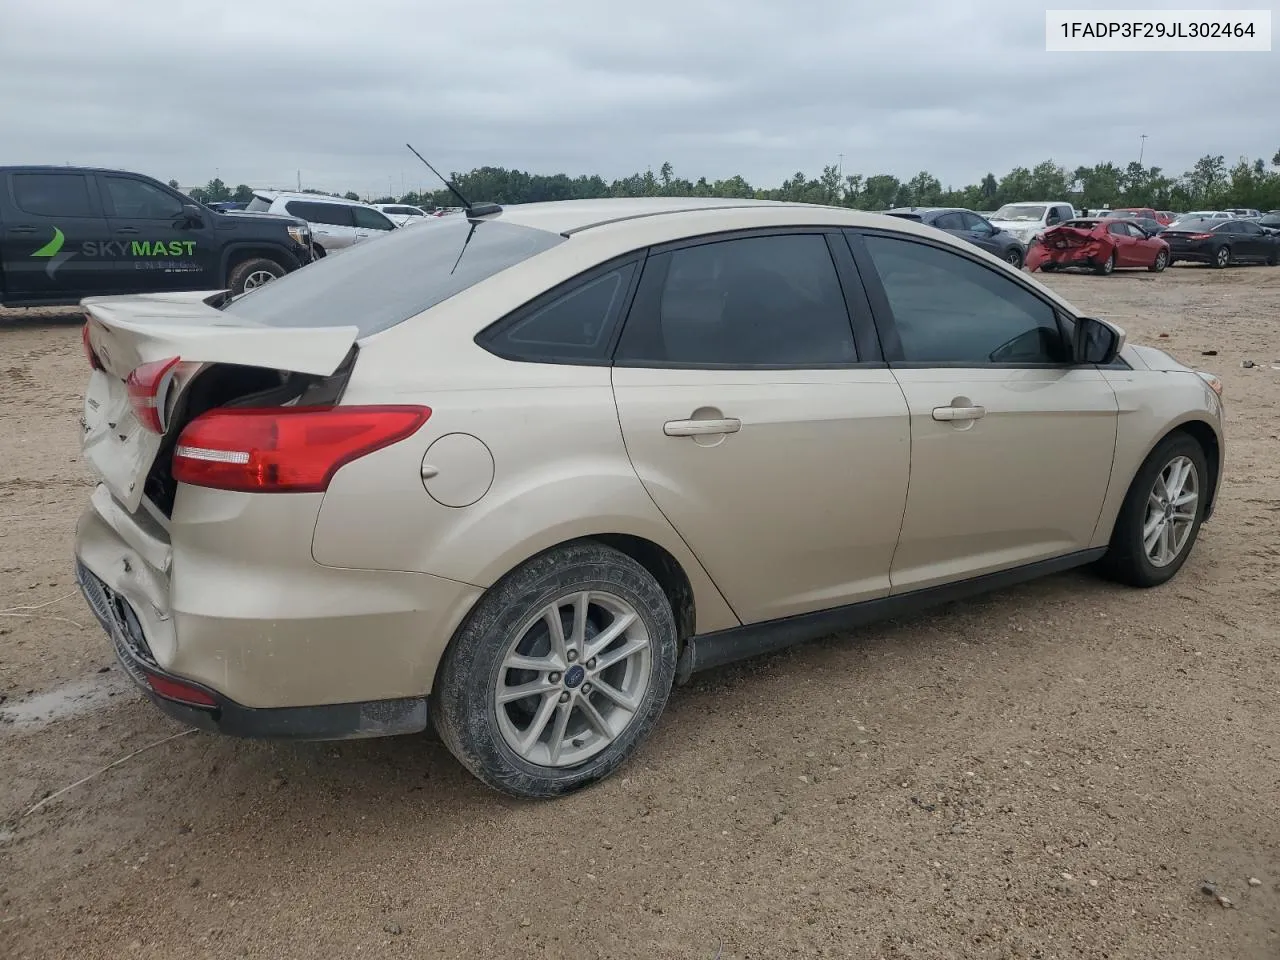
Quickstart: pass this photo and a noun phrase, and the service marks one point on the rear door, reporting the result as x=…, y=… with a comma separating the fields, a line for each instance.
x=157, y=247
x=1011, y=444
x=332, y=224
x=54, y=239
x=773, y=439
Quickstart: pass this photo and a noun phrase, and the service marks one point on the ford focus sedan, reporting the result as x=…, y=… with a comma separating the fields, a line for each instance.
x=517, y=474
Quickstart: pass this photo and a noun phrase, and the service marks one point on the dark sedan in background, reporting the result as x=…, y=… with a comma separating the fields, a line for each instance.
x=1220, y=243
x=967, y=225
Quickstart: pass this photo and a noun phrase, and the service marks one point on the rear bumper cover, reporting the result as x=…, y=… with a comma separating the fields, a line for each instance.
x=340, y=721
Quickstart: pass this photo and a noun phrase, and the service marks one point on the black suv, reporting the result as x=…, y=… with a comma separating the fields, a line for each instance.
x=73, y=232
x=967, y=225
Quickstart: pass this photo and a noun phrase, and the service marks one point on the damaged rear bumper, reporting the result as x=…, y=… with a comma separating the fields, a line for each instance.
x=199, y=706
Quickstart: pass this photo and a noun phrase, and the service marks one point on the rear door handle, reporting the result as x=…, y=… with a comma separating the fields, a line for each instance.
x=127, y=230
x=701, y=428
x=22, y=229
x=959, y=413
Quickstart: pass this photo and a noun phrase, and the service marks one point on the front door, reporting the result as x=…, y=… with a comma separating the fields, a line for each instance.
x=369, y=223
x=156, y=246
x=52, y=238
x=1011, y=445
x=779, y=458
x=980, y=233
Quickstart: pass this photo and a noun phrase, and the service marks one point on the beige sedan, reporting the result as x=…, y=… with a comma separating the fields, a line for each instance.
x=529, y=467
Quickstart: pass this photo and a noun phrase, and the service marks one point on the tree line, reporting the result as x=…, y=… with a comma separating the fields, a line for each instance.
x=1209, y=184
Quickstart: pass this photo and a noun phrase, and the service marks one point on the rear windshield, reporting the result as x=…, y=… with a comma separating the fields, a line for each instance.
x=379, y=283
x=259, y=204
x=1194, y=225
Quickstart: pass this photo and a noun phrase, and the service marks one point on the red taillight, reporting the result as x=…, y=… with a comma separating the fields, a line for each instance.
x=285, y=449
x=94, y=362
x=147, y=385
x=1200, y=236
x=174, y=690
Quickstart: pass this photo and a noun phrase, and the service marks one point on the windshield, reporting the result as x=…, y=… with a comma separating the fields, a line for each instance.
x=1020, y=211
x=381, y=283
x=1126, y=214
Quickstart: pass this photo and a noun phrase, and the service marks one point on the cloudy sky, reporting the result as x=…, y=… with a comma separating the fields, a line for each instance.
x=255, y=91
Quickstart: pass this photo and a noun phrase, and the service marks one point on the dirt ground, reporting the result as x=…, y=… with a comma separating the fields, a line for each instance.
x=1052, y=771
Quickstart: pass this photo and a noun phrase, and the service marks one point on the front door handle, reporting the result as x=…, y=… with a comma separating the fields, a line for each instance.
x=127, y=230
x=959, y=413
x=701, y=428
x=22, y=229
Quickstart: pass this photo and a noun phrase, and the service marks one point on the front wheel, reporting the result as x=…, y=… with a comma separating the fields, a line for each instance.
x=1161, y=514
x=1013, y=257
x=1222, y=257
x=253, y=273
x=1107, y=266
x=560, y=673
x=1162, y=261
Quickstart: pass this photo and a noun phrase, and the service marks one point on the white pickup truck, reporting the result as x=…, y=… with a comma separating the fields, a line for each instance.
x=1027, y=218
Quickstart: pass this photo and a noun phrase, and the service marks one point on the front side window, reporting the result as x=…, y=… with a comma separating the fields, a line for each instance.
x=52, y=194
x=752, y=301
x=1119, y=229
x=139, y=200
x=367, y=219
x=974, y=222
x=950, y=310
x=949, y=221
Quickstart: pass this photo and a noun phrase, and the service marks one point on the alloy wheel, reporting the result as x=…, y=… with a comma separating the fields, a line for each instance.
x=1172, y=507
x=573, y=679
x=258, y=278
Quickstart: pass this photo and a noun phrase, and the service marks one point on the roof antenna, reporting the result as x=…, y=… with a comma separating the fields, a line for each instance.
x=473, y=209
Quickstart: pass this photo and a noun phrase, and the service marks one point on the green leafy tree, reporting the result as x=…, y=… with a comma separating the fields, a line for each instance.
x=1207, y=178
x=243, y=193
x=216, y=191
x=351, y=195
x=174, y=183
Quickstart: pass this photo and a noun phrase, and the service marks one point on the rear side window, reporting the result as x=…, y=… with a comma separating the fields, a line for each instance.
x=951, y=311
x=573, y=326
x=771, y=301
x=53, y=194
x=374, y=286
x=330, y=214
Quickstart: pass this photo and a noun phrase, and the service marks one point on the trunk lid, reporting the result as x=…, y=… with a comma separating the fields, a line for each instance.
x=125, y=333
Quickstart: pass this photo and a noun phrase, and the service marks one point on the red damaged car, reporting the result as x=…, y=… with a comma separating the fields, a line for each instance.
x=1100, y=244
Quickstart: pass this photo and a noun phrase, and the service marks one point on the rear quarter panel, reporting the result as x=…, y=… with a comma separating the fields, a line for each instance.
x=560, y=468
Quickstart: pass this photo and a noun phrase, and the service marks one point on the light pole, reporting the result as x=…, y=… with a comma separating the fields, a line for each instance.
x=1142, y=146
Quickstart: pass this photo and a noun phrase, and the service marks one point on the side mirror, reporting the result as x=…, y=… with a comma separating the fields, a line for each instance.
x=1095, y=342
x=994, y=229
x=191, y=213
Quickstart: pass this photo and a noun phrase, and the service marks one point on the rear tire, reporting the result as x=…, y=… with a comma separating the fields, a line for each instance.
x=1131, y=558
x=1222, y=257
x=581, y=734
x=1162, y=261
x=1105, y=269
x=251, y=273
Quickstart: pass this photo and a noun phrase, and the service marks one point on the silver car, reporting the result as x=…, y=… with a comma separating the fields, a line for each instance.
x=336, y=224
